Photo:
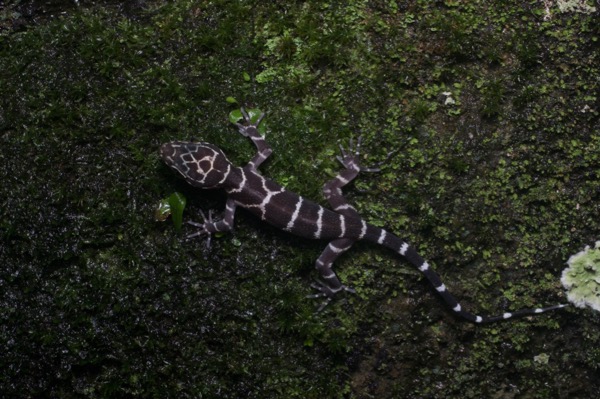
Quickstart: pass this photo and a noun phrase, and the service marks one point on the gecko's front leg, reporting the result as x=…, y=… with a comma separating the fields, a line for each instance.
x=249, y=129
x=208, y=227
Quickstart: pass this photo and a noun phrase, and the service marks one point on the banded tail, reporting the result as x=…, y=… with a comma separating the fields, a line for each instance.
x=389, y=240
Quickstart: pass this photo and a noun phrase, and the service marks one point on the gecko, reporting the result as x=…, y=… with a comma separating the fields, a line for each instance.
x=204, y=165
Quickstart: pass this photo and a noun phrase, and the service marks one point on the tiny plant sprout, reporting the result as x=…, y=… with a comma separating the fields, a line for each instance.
x=582, y=278
x=236, y=116
x=173, y=205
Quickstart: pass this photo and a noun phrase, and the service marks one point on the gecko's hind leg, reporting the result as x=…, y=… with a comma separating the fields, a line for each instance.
x=330, y=284
x=350, y=159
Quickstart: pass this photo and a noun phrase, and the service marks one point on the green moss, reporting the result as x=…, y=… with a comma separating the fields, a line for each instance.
x=496, y=187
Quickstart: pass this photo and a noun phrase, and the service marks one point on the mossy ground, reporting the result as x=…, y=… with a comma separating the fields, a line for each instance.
x=491, y=106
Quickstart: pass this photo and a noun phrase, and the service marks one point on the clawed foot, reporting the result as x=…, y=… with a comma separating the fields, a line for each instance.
x=243, y=128
x=327, y=292
x=351, y=158
x=202, y=228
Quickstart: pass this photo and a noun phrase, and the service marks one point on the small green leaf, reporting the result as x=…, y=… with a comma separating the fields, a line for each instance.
x=231, y=100
x=254, y=114
x=246, y=76
x=235, y=116
x=177, y=203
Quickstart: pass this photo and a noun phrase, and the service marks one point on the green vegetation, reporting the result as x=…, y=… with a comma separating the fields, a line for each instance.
x=491, y=108
x=582, y=278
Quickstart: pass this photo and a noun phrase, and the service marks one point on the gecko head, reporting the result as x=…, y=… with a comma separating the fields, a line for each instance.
x=201, y=164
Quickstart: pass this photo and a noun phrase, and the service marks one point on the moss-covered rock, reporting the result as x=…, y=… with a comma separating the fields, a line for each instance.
x=496, y=187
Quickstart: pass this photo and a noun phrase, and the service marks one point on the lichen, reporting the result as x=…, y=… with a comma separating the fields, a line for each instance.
x=575, y=6
x=582, y=278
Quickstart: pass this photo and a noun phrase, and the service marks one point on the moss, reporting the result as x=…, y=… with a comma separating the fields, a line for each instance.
x=496, y=189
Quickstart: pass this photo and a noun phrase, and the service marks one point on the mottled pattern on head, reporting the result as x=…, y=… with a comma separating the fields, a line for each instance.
x=201, y=164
